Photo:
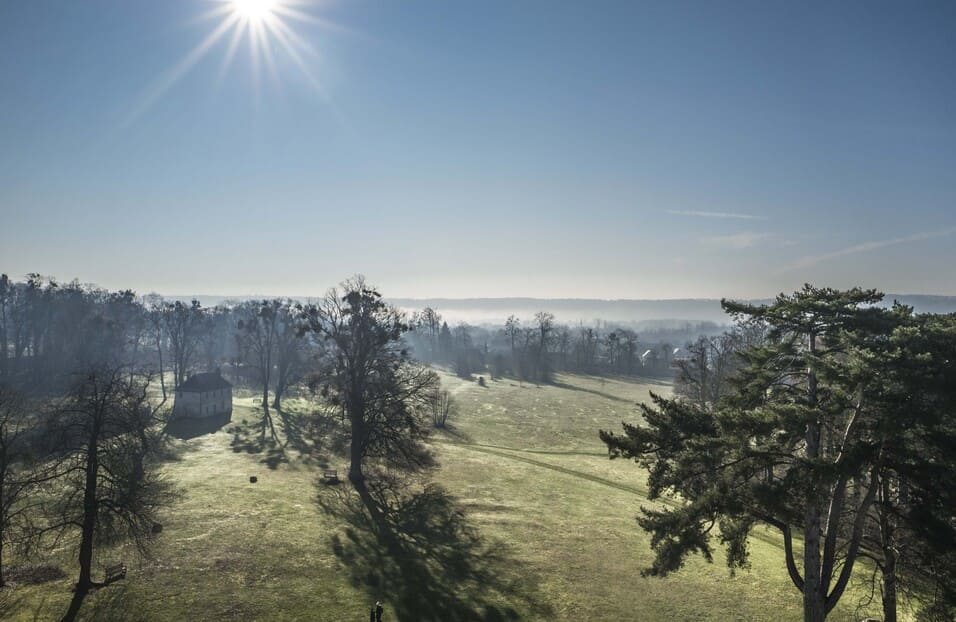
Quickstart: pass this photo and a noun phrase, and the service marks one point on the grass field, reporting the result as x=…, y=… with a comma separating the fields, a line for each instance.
x=532, y=522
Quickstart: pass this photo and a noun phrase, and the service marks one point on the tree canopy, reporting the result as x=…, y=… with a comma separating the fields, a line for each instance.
x=815, y=418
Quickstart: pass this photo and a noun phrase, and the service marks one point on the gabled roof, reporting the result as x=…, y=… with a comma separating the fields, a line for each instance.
x=201, y=383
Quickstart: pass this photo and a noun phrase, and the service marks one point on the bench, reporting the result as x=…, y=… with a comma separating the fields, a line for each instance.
x=115, y=572
x=331, y=476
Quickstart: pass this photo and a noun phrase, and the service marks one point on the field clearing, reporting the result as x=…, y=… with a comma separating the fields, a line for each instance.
x=550, y=518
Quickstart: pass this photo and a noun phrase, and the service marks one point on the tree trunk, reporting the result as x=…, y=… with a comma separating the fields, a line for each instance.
x=162, y=379
x=889, y=555
x=266, y=375
x=814, y=609
x=78, y=595
x=85, y=582
x=3, y=347
x=357, y=421
x=2, y=582
x=889, y=587
x=814, y=598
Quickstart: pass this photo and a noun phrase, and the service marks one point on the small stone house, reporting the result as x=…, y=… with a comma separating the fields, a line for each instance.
x=203, y=395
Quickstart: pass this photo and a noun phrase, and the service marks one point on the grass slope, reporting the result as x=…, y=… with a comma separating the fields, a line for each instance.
x=537, y=524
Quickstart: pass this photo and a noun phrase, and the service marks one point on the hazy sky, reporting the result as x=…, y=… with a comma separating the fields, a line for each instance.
x=578, y=149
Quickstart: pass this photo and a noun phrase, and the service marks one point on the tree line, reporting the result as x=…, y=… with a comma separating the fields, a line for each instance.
x=85, y=396
x=49, y=329
x=534, y=349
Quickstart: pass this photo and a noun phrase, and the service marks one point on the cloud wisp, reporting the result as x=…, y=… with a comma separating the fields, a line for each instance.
x=812, y=260
x=737, y=240
x=725, y=215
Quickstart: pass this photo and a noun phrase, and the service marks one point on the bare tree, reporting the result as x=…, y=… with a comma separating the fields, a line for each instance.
x=368, y=374
x=512, y=330
x=258, y=327
x=18, y=478
x=703, y=374
x=107, y=450
x=429, y=321
x=586, y=348
x=291, y=356
x=545, y=322
x=564, y=345
x=441, y=404
x=6, y=297
x=184, y=326
x=154, y=316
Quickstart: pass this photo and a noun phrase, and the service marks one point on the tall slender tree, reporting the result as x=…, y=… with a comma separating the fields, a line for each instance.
x=291, y=350
x=185, y=327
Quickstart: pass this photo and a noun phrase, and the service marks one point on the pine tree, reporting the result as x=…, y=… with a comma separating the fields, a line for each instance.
x=911, y=531
x=791, y=447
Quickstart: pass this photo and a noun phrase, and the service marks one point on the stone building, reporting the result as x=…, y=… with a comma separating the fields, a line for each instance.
x=203, y=395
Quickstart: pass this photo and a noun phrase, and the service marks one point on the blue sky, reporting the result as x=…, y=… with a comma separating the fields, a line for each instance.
x=606, y=149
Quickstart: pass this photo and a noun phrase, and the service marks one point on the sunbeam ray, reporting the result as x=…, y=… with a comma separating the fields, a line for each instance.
x=260, y=24
x=167, y=80
x=230, y=53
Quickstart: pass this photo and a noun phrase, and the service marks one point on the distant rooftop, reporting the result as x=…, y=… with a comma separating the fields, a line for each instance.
x=201, y=383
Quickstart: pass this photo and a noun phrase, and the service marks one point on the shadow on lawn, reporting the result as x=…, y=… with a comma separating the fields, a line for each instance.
x=296, y=434
x=115, y=603
x=266, y=438
x=608, y=396
x=253, y=439
x=186, y=429
x=419, y=555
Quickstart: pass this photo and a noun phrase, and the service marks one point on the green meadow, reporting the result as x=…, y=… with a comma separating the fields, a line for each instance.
x=524, y=519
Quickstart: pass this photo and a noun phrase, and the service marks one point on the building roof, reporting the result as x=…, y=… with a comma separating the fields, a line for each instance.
x=201, y=383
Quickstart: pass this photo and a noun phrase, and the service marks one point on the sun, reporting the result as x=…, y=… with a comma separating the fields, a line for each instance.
x=254, y=10
x=265, y=27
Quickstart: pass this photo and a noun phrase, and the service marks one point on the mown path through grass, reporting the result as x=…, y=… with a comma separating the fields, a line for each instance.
x=639, y=491
x=528, y=463
x=491, y=449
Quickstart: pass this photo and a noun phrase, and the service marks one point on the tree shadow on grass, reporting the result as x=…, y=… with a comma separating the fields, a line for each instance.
x=186, y=429
x=296, y=434
x=249, y=439
x=454, y=433
x=608, y=396
x=418, y=553
x=118, y=602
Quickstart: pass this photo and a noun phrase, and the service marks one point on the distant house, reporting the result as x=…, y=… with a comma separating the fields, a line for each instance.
x=203, y=395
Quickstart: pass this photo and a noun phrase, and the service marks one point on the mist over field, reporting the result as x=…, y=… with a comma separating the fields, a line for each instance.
x=641, y=313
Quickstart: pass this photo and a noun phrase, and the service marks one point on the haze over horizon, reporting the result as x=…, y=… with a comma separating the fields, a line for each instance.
x=616, y=151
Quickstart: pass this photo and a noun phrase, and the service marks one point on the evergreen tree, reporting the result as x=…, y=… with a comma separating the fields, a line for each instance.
x=911, y=530
x=797, y=445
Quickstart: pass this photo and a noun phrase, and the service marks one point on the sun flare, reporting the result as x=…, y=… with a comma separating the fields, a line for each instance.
x=254, y=10
x=266, y=28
